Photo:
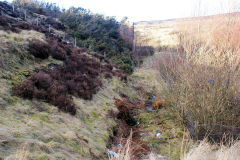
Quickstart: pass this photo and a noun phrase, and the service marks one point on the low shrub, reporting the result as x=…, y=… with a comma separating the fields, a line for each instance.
x=3, y=21
x=24, y=25
x=79, y=77
x=57, y=51
x=55, y=24
x=39, y=49
x=202, y=89
x=124, y=63
x=7, y=24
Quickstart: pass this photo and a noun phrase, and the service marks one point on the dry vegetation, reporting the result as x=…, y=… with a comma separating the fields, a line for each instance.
x=34, y=129
x=31, y=68
x=198, y=83
x=160, y=35
x=200, y=80
x=203, y=77
x=207, y=151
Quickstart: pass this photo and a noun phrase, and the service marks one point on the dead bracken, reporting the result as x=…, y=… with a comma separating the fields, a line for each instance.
x=127, y=126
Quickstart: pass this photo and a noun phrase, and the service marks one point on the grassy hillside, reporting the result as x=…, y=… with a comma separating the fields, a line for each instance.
x=91, y=30
x=33, y=126
x=38, y=129
x=58, y=101
x=61, y=101
x=160, y=35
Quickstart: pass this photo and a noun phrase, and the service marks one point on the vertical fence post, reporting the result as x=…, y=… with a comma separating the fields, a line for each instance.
x=133, y=38
x=13, y=8
x=75, y=42
x=25, y=15
x=37, y=21
x=49, y=28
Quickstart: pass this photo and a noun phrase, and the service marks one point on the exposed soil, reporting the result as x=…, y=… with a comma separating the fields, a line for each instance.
x=128, y=126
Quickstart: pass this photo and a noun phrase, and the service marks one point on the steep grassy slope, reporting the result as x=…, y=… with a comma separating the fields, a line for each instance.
x=40, y=129
x=34, y=129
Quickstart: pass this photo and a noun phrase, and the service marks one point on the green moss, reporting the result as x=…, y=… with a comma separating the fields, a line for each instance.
x=106, y=134
x=95, y=115
x=78, y=147
x=19, y=135
x=42, y=117
x=42, y=156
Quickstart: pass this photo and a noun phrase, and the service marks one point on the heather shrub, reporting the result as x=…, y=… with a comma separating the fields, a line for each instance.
x=8, y=24
x=65, y=103
x=42, y=80
x=58, y=52
x=39, y=49
x=25, y=90
x=3, y=21
x=79, y=77
x=23, y=25
x=55, y=24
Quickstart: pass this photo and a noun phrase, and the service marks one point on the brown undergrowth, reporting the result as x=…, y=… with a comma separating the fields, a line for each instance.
x=127, y=129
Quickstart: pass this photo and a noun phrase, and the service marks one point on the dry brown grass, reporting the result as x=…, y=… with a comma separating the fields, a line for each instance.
x=124, y=153
x=158, y=34
x=23, y=153
x=206, y=151
x=202, y=78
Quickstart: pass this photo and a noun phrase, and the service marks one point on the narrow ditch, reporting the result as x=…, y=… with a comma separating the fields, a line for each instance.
x=127, y=134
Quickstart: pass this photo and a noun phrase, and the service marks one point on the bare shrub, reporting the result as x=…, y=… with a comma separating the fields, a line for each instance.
x=202, y=80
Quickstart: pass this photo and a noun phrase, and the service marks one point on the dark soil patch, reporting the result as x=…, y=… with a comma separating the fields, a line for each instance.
x=126, y=125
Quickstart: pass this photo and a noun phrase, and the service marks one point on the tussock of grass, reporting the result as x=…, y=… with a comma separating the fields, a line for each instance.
x=207, y=151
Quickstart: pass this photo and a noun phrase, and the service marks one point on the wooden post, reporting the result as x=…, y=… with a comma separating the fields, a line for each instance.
x=37, y=21
x=13, y=8
x=75, y=42
x=1, y=58
x=64, y=36
x=49, y=28
x=133, y=38
x=25, y=14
